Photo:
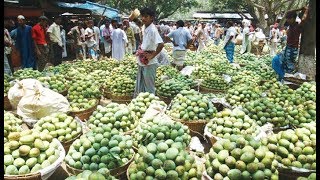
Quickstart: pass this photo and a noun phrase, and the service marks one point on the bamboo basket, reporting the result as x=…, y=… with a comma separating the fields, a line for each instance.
x=66, y=145
x=6, y=103
x=34, y=176
x=84, y=115
x=114, y=172
x=167, y=100
x=293, y=86
x=122, y=169
x=208, y=90
x=197, y=126
x=287, y=173
x=128, y=177
x=296, y=80
x=121, y=99
x=64, y=92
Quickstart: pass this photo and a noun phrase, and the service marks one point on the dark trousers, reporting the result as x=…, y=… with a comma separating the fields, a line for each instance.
x=56, y=54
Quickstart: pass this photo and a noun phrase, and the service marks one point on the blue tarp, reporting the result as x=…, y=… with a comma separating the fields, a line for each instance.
x=95, y=8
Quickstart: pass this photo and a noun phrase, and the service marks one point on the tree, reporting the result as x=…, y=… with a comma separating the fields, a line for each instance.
x=259, y=8
x=163, y=8
x=307, y=60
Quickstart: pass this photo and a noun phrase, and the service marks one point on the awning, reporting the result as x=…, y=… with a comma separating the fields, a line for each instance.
x=221, y=15
x=95, y=8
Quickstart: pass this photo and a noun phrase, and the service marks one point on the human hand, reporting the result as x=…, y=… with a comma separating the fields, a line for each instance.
x=149, y=56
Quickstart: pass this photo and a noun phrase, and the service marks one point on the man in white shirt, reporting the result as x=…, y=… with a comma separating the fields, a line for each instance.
x=181, y=38
x=119, y=42
x=56, y=41
x=229, y=41
x=96, y=31
x=151, y=46
x=90, y=40
x=106, y=36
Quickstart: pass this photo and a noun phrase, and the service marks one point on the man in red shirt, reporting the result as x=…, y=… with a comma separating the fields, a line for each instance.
x=293, y=37
x=40, y=42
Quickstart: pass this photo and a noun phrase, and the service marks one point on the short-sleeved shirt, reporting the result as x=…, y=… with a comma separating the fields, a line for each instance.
x=231, y=31
x=77, y=34
x=39, y=34
x=293, y=34
x=91, y=41
x=55, y=34
x=151, y=39
x=180, y=36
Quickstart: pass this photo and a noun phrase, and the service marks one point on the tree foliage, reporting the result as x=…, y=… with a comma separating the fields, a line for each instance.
x=258, y=8
x=163, y=8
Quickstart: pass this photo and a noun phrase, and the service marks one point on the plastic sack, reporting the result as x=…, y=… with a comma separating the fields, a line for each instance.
x=42, y=102
x=22, y=88
x=48, y=171
x=163, y=58
x=187, y=71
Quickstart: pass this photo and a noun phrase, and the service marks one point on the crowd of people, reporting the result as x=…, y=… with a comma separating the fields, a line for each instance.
x=42, y=44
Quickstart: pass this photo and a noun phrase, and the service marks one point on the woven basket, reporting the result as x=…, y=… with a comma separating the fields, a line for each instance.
x=73, y=171
x=296, y=80
x=167, y=100
x=84, y=115
x=34, y=176
x=208, y=90
x=285, y=174
x=114, y=172
x=122, y=169
x=128, y=177
x=6, y=103
x=66, y=145
x=293, y=86
x=121, y=99
x=197, y=126
x=64, y=92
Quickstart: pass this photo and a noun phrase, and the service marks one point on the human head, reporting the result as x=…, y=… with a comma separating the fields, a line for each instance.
x=57, y=20
x=180, y=23
x=276, y=25
x=229, y=24
x=291, y=17
x=114, y=23
x=43, y=20
x=125, y=22
x=203, y=25
x=80, y=24
x=147, y=15
x=21, y=20
x=90, y=23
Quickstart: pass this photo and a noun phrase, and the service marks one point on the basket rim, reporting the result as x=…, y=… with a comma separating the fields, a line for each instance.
x=71, y=140
x=199, y=121
x=35, y=174
x=111, y=170
x=210, y=89
x=86, y=110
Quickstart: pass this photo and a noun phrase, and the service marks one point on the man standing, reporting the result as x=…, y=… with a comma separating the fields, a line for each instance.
x=274, y=39
x=246, y=43
x=106, y=36
x=181, y=38
x=54, y=33
x=151, y=46
x=293, y=38
x=229, y=41
x=40, y=42
x=24, y=44
x=90, y=40
x=77, y=34
x=130, y=36
x=96, y=31
x=284, y=62
x=119, y=42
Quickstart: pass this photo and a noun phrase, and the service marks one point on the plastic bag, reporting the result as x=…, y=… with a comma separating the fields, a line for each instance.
x=163, y=58
x=42, y=102
x=22, y=88
x=187, y=71
x=49, y=170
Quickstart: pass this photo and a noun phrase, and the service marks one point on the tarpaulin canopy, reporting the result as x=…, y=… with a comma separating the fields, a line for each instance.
x=95, y=8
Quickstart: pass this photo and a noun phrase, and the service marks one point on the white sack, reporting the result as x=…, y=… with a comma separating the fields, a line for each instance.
x=42, y=102
x=21, y=88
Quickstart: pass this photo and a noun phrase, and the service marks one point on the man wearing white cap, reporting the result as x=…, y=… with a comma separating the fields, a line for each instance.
x=24, y=44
